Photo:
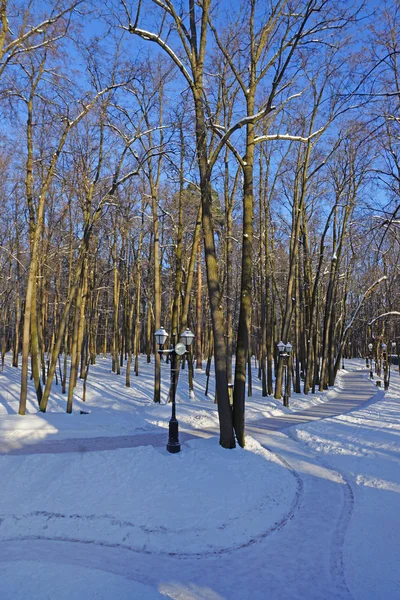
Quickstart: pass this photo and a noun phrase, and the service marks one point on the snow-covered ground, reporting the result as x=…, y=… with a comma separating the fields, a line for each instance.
x=310, y=515
x=364, y=446
x=116, y=409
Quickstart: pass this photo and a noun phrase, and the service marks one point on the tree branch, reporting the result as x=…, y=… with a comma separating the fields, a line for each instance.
x=393, y=313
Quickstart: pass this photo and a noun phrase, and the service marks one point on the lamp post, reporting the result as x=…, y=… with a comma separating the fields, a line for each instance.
x=378, y=363
x=370, y=348
x=378, y=359
x=173, y=444
x=284, y=353
x=398, y=356
x=386, y=372
x=391, y=356
x=187, y=338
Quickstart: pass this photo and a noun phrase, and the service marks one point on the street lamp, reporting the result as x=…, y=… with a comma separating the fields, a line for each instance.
x=281, y=347
x=393, y=351
x=161, y=337
x=386, y=372
x=187, y=338
x=370, y=348
x=284, y=353
x=397, y=351
x=394, y=346
x=173, y=444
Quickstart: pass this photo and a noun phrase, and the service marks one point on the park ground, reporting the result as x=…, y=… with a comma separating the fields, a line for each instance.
x=94, y=507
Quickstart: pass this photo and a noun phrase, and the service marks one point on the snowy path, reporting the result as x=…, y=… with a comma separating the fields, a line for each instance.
x=304, y=556
x=356, y=392
x=97, y=444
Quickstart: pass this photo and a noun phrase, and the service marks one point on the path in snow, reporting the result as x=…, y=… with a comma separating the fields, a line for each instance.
x=303, y=558
x=326, y=505
x=96, y=444
x=356, y=392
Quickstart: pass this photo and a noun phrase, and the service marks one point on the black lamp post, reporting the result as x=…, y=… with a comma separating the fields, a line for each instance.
x=386, y=373
x=391, y=357
x=284, y=353
x=370, y=348
x=187, y=338
x=378, y=359
x=173, y=444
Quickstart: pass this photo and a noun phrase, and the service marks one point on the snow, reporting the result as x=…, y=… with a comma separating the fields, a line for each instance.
x=69, y=582
x=365, y=446
x=116, y=409
x=135, y=505
x=93, y=506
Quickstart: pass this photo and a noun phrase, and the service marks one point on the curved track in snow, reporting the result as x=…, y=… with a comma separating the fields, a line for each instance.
x=299, y=557
x=356, y=392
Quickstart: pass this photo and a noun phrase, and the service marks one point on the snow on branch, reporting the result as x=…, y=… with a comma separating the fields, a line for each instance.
x=393, y=313
x=39, y=28
x=288, y=136
x=353, y=318
x=365, y=295
x=153, y=37
x=238, y=125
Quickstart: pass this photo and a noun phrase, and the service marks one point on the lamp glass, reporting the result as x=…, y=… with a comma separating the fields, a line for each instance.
x=289, y=347
x=370, y=346
x=281, y=346
x=187, y=337
x=180, y=349
x=384, y=347
x=161, y=336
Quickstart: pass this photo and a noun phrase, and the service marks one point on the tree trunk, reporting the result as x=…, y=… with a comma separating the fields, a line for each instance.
x=199, y=328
